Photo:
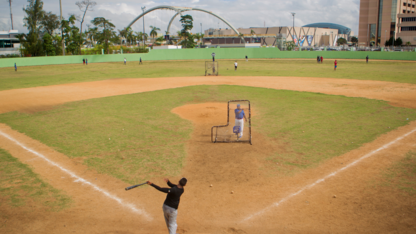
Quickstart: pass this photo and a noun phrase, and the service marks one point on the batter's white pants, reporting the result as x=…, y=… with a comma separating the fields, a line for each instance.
x=170, y=218
x=240, y=122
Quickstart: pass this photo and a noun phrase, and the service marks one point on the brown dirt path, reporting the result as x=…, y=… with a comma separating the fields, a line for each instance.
x=38, y=98
x=204, y=209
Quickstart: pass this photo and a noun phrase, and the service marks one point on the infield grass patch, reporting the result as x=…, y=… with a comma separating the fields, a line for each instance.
x=34, y=76
x=135, y=137
x=18, y=183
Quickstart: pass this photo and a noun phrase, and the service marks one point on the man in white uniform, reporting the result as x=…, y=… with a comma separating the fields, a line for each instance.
x=239, y=115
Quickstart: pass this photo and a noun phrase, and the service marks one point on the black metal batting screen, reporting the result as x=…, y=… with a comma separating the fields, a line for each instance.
x=211, y=68
x=225, y=133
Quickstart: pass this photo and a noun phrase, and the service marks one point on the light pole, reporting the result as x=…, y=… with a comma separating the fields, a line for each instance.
x=62, y=30
x=293, y=14
x=143, y=9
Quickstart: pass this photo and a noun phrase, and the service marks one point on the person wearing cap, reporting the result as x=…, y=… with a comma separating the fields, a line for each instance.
x=239, y=116
x=170, y=206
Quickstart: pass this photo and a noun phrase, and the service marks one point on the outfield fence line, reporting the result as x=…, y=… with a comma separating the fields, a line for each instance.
x=205, y=54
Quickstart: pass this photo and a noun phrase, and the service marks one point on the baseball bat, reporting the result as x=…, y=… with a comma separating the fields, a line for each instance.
x=134, y=186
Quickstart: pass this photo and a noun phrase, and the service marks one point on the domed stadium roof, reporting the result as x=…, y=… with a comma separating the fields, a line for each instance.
x=341, y=29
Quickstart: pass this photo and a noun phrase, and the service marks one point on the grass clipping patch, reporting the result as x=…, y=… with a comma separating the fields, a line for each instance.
x=402, y=175
x=18, y=183
x=136, y=137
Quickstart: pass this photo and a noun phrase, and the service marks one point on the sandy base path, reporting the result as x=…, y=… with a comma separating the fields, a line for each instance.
x=39, y=98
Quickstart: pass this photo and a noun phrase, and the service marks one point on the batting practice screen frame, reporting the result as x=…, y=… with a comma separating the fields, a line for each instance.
x=215, y=129
x=211, y=68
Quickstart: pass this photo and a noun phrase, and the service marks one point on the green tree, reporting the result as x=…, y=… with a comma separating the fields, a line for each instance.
x=341, y=41
x=107, y=31
x=71, y=35
x=48, y=45
x=153, y=32
x=187, y=26
x=50, y=22
x=91, y=35
x=354, y=40
x=398, y=42
x=31, y=42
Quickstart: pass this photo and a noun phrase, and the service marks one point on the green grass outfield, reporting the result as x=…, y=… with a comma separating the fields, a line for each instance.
x=396, y=71
x=135, y=137
x=19, y=185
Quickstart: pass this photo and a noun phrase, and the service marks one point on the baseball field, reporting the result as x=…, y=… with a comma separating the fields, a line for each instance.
x=333, y=151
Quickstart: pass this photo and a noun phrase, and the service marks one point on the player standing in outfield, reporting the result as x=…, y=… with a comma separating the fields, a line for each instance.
x=15, y=67
x=213, y=57
x=235, y=66
x=125, y=61
x=170, y=206
x=246, y=58
x=239, y=115
x=366, y=59
x=83, y=61
x=322, y=59
x=86, y=61
x=318, y=58
x=335, y=65
x=140, y=61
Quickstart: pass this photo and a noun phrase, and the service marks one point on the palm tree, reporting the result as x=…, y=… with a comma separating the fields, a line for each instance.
x=91, y=34
x=107, y=27
x=153, y=32
x=252, y=34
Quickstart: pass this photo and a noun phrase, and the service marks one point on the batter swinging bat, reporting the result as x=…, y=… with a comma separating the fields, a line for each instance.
x=134, y=186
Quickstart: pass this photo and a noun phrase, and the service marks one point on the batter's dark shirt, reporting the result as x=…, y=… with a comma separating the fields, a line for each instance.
x=174, y=194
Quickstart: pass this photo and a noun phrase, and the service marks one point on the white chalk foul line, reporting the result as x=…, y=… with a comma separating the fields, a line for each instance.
x=130, y=206
x=328, y=176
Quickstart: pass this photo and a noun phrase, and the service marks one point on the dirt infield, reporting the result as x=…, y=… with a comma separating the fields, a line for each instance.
x=343, y=203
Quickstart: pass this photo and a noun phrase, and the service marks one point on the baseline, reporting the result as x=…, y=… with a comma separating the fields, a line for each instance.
x=130, y=206
x=328, y=176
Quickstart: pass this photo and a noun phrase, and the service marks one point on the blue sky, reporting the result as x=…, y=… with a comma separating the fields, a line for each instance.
x=240, y=13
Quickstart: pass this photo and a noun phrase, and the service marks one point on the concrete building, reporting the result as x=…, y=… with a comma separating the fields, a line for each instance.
x=277, y=36
x=382, y=19
x=9, y=44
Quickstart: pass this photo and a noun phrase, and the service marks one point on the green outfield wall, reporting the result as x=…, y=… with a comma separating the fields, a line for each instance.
x=205, y=54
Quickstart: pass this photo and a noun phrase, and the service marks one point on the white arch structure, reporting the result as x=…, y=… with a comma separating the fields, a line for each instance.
x=178, y=11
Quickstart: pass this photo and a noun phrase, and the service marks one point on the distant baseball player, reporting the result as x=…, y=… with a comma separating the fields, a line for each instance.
x=239, y=116
x=170, y=206
x=125, y=61
x=366, y=59
x=235, y=66
x=246, y=58
x=15, y=67
x=318, y=58
x=335, y=65
x=140, y=61
x=83, y=61
x=213, y=57
x=86, y=61
x=322, y=59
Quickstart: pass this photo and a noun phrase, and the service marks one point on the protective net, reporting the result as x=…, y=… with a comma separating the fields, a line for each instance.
x=228, y=132
x=211, y=68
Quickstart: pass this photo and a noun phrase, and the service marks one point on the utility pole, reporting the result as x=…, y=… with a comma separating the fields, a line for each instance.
x=143, y=9
x=11, y=15
x=62, y=30
x=293, y=14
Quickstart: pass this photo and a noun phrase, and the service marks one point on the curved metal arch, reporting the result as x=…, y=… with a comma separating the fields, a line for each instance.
x=180, y=10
